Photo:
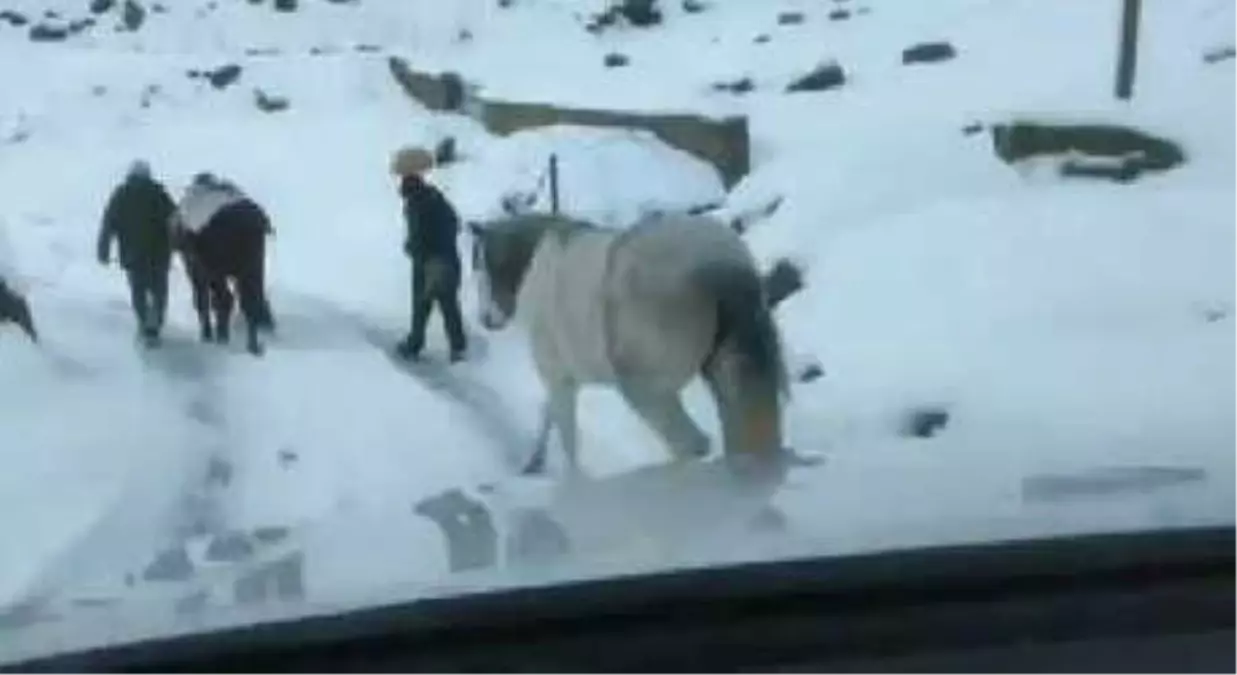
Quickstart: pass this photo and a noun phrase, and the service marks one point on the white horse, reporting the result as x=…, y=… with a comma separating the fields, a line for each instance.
x=644, y=310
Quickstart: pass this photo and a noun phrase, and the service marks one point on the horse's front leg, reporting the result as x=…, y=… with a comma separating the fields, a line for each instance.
x=536, y=463
x=563, y=408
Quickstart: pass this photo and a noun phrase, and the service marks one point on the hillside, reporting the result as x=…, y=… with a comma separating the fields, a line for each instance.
x=1065, y=327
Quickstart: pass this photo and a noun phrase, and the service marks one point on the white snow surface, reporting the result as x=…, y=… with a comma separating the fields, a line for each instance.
x=1065, y=325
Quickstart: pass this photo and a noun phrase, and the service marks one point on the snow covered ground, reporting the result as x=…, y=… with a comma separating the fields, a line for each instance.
x=1066, y=326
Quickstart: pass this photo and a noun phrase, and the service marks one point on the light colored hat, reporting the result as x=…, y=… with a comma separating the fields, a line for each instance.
x=411, y=161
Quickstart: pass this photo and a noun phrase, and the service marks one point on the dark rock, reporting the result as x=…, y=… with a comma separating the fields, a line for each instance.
x=368, y=49
x=790, y=18
x=170, y=565
x=14, y=307
x=701, y=209
x=270, y=535
x=49, y=14
x=222, y=77
x=453, y=90
x=262, y=51
x=811, y=373
x=98, y=90
x=79, y=25
x=602, y=21
x=229, y=547
x=823, y=77
x=47, y=33
x=472, y=540
x=15, y=19
x=101, y=6
x=158, y=8
x=839, y=15
x=445, y=152
x=1219, y=54
x=641, y=13
x=928, y=52
x=287, y=457
x=924, y=423
x=464, y=35
x=761, y=39
x=133, y=15
x=694, y=6
x=1214, y=314
x=269, y=103
x=740, y=86
x=973, y=128
x=863, y=11
x=149, y=93
x=614, y=60
x=504, y=3
x=285, y=5
x=783, y=281
x=1098, y=150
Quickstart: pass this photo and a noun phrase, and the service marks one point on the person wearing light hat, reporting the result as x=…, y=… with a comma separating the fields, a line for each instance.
x=433, y=227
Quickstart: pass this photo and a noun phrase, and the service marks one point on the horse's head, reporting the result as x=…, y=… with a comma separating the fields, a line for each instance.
x=502, y=252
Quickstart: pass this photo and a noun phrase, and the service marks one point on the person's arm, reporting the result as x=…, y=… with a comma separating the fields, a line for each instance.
x=107, y=231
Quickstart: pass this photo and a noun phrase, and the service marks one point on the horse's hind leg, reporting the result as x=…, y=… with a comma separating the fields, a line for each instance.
x=662, y=410
x=252, y=306
x=221, y=298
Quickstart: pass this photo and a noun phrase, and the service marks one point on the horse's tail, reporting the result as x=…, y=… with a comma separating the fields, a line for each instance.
x=745, y=369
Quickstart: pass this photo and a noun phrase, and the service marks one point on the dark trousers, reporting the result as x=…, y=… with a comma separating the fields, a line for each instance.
x=148, y=294
x=436, y=282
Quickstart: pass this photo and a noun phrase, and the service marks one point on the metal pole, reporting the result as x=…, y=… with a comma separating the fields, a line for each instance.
x=1127, y=58
x=554, y=184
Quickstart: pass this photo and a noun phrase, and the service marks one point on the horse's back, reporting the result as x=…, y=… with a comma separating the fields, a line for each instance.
x=665, y=319
x=233, y=242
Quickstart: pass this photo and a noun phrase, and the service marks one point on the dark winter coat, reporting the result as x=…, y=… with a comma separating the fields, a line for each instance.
x=433, y=225
x=138, y=216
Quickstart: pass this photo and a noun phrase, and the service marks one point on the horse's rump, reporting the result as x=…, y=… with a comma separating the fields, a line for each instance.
x=233, y=243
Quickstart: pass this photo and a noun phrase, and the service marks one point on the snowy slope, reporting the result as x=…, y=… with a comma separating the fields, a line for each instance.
x=1066, y=327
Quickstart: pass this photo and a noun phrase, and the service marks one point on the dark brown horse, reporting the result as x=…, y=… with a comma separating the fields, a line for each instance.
x=230, y=250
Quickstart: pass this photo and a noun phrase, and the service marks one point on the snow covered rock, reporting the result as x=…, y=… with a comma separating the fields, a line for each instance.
x=823, y=77
x=1090, y=150
x=656, y=177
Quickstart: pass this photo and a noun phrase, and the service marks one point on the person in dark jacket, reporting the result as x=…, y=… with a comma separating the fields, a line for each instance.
x=138, y=216
x=430, y=243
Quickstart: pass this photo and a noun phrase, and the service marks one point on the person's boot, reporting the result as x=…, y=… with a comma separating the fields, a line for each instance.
x=150, y=336
x=408, y=349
